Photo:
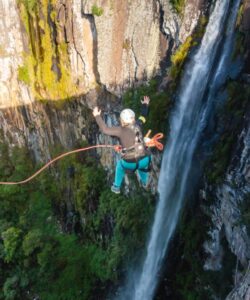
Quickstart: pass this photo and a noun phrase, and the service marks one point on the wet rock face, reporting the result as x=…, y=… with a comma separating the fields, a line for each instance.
x=177, y=27
x=227, y=216
x=192, y=12
x=242, y=291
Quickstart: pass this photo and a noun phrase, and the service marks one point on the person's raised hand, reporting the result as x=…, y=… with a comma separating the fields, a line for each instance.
x=145, y=100
x=96, y=111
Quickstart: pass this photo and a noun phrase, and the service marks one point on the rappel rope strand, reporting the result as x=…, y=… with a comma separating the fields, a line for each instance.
x=54, y=160
x=154, y=142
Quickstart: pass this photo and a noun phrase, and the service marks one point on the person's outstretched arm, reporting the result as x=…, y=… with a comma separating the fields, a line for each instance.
x=113, y=131
x=144, y=109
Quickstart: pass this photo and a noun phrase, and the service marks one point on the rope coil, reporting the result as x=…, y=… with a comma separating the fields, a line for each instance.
x=154, y=142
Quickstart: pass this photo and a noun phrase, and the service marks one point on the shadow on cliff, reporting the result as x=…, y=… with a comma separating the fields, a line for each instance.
x=43, y=124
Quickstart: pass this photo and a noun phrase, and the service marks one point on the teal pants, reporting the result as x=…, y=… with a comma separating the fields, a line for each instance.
x=141, y=166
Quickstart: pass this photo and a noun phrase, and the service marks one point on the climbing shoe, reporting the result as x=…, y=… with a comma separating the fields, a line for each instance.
x=145, y=186
x=115, y=189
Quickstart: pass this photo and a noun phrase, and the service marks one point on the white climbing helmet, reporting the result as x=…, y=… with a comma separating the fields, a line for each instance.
x=127, y=116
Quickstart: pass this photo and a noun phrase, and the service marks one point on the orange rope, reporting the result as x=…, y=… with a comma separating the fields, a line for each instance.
x=154, y=142
x=55, y=159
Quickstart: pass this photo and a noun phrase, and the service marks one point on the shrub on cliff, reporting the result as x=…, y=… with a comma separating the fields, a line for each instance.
x=178, y=5
x=97, y=11
x=179, y=57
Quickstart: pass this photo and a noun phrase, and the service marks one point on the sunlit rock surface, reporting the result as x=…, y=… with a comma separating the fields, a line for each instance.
x=129, y=41
x=11, y=51
x=67, y=49
x=192, y=12
x=70, y=43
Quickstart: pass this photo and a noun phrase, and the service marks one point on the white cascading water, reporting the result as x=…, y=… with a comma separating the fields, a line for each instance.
x=205, y=73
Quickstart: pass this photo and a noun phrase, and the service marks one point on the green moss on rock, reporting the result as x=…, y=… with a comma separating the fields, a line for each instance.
x=178, y=5
x=179, y=57
x=97, y=11
x=46, y=62
x=23, y=74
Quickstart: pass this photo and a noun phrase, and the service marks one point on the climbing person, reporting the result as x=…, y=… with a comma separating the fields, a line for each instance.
x=134, y=155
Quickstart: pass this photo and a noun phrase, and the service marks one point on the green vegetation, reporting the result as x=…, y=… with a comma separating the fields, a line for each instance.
x=46, y=67
x=240, y=15
x=23, y=74
x=200, y=29
x=126, y=44
x=178, y=5
x=30, y=5
x=231, y=121
x=239, y=47
x=97, y=11
x=159, y=106
x=179, y=57
x=69, y=237
x=245, y=210
x=230, y=116
x=189, y=268
x=187, y=278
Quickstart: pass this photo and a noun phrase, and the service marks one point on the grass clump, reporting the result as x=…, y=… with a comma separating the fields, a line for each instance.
x=126, y=44
x=179, y=57
x=23, y=74
x=97, y=11
x=178, y=5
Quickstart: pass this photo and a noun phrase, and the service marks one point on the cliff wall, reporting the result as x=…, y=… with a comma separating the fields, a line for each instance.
x=80, y=52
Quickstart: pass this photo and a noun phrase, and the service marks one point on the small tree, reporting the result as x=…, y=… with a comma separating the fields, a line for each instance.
x=11, y=239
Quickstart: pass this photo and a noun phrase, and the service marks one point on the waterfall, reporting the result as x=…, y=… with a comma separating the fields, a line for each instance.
x=203, y=75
